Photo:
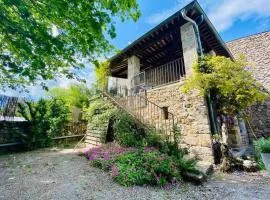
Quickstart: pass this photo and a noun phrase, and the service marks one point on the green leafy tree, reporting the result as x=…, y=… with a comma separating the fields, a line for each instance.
x=101, y=74
x=76, y=95
x=58, y=116
x=35, y=113
x=42, y=39
x=47, y=119
x=235, y=87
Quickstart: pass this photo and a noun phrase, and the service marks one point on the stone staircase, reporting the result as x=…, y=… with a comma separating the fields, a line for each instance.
x=93, y=135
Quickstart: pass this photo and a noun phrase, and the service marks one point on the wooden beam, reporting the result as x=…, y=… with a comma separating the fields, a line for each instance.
x=160, y=37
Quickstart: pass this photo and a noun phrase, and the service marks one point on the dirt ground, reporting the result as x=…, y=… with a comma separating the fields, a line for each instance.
x=62, y=174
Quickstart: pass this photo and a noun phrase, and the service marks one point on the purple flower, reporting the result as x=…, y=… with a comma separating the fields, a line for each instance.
x=148, y=149
x=171, y=184
x=115, y=171
x=167, y=186
x=86, y=153
x=106, y=156
x=93, y=156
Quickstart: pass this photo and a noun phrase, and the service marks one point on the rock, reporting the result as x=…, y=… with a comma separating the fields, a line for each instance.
x=205, y=167
x=196, y=178
x=250, y=166
x=230, y=164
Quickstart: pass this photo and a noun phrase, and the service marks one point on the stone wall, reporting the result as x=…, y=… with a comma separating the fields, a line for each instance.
x=191, y=112
x=256, y=48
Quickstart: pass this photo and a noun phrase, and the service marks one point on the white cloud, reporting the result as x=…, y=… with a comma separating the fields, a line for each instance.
x=223, y=13
x=162, y=15
x=226, y=13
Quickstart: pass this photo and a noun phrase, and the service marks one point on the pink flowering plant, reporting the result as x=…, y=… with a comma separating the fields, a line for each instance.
x=133, y=166
x=140, y=166
x=104, y=156
x=163, y=165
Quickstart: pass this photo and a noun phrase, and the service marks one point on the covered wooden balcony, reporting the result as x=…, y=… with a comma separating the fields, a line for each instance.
x=162, y=53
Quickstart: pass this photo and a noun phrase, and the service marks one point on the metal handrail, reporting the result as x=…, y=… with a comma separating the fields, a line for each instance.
x=154, y=104
x=147, y=113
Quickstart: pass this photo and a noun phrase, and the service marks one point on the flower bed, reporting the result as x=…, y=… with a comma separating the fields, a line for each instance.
x=104, y=156
x=139, y=166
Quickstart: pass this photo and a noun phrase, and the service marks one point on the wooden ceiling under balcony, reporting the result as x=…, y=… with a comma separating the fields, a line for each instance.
x=163, y=43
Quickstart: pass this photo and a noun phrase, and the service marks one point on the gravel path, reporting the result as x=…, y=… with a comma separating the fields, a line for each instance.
x=47, y=174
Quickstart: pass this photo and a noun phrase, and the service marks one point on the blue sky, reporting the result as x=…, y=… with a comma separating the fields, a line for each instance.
x=232, y=18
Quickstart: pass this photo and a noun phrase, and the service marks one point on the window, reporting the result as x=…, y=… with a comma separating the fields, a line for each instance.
x=165, y=112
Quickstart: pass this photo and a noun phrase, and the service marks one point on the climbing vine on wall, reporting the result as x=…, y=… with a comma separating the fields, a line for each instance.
x=234, y=86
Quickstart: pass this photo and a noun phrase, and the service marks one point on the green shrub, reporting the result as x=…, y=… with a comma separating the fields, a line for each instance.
x=261, y=146
x=104, y=156
x=172, y=149
x=58, y=115
x=152, y=139
x=186, y=166
x=127, y=132
x=144, y=156
x=138, y=168
x=103, y=164
x=99, y=113
x=46, y=117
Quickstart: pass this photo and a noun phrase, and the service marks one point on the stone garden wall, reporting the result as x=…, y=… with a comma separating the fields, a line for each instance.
x=256, y=48
x=192, y=114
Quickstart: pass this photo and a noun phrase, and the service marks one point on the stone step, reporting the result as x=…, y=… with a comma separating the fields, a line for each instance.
x=92, y=139
x=91, y=142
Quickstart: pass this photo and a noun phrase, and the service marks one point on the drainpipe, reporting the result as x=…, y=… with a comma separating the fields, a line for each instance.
x=200, y=52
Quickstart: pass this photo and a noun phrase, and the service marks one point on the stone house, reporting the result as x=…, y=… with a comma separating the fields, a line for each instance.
x=146, y=77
